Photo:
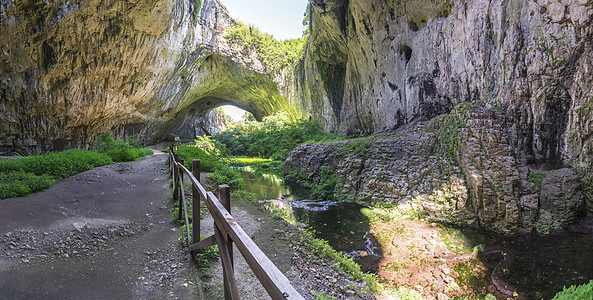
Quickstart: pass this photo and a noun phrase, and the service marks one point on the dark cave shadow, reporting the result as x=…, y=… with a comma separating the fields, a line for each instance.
x=540, y=265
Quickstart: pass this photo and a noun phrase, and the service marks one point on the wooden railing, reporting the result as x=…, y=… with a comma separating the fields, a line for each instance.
x=226, y=233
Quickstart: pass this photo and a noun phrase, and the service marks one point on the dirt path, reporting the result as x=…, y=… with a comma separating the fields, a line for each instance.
x=102, y=234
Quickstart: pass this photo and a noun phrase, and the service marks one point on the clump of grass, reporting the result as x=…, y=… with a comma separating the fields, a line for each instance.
x=584, y=291
x=537, y=178
x=56, y=164
x=127, y=150
x=18, y=183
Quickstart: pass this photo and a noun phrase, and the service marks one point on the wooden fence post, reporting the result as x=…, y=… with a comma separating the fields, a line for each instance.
x=224, y=194
x=170, y=161
x=195, y=169
x=180, y=217
x=175, y=178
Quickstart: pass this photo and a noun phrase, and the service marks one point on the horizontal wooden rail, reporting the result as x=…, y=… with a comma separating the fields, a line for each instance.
x=226, y=232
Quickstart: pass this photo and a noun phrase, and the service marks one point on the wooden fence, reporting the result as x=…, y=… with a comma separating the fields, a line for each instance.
x=226, y=233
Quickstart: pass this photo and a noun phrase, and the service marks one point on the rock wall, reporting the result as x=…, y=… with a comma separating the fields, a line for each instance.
x=457, y=168
x=72, y=69
x=374, y=66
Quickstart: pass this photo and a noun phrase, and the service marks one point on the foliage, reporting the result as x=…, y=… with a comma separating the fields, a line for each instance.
x=196, y=12
x=207, y=255
x=22, y=176
x=208, y=163
x=584, y=292
x=322, y=190
x=127, y=150
x=274, y=54
x=307, y=20
x=56, y=164
x=227, y=175
x=448, y=127
x=537, y=178
x=322, y=249
x=325, y=189
x=222, y=173
x=273, y=138
x=322, y=296
x=18, y=183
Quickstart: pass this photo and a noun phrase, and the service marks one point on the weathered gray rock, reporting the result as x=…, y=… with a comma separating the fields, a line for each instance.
x=72, y=69
x=561, y=200
x=377, y=65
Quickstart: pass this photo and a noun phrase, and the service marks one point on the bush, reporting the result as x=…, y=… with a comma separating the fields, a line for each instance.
x=56, y=164
x=19, y=183
x=274, y=54
x=128, y=150
x=273, y=138
x=208, y=163
x=584, y=292
x=222, y=173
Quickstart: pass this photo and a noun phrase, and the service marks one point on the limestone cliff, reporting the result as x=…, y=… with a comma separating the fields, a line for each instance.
x=71, y=69
x=374, y=66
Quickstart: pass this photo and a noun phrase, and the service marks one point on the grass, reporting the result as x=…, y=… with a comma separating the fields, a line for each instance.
x=22, y=176
x=59, y=165
x=584, y=292
x=18, y=183
x=537, y=178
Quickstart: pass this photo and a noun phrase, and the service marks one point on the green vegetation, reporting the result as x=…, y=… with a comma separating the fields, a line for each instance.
x=127, y=150
x=59, y=165
x=584, y=292
x=322, y=249
x=22, y=176
x=325, y=189
x=272, y=138
x=537, y=178
x=448, y=127
x=274, y=54
x=222, y=173
x=196, y=11
x=17, y=184
x=322, y=296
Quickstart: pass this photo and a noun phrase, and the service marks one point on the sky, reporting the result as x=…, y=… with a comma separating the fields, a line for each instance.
x=281, y=18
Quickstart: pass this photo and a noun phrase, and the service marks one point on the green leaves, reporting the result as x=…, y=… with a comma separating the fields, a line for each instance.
x=584, y=292
x=19, y=183
x=275, y=54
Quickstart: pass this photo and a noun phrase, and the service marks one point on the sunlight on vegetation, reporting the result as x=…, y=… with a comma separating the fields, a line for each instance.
x=584, y=291
x=273, y=138
x=274, y=54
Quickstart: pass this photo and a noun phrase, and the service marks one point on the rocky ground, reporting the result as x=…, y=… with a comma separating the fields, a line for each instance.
x=108, y=232
x=103, y=233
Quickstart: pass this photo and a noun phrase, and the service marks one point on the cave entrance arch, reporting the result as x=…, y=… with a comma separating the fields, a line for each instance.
x=210, y=81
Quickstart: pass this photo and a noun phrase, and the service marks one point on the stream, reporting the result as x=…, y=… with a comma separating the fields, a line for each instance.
x=541, y=264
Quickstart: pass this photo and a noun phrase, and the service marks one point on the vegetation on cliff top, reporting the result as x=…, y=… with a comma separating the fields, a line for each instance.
x=274, y=54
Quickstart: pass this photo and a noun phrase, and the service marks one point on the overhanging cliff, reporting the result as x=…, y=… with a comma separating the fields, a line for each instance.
x=72, y=69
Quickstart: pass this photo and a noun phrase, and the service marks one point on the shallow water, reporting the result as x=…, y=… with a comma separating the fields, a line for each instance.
x=541, y=265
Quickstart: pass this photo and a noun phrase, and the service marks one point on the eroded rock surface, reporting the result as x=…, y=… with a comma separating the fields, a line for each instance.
x=378, y=65
x=72, y=69
x=458, y=168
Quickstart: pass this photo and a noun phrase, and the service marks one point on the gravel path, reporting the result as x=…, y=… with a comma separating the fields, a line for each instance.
x=102, y=234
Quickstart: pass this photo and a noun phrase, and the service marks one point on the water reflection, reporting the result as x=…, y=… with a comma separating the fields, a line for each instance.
x=540, y=265
x=341, y=224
